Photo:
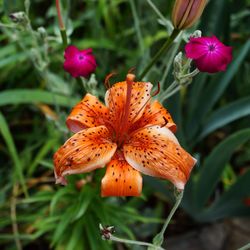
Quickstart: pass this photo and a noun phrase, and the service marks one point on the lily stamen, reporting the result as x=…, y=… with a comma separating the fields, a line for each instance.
x=158, y=90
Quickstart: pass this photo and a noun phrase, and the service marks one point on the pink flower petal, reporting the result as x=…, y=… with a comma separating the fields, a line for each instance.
x=211, y=63
x=195, y=50
x=70, y=52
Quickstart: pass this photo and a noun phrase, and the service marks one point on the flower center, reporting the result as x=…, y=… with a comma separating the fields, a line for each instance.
x=211, y=47
x=81, y=57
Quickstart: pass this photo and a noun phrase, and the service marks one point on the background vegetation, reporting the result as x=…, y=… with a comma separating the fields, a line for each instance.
x=36, y=96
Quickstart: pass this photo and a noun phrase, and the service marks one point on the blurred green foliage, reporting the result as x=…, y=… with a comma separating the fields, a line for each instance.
x=212, y=115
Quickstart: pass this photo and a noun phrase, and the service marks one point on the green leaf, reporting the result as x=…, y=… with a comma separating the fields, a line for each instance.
x=44, y=196
x=62, y=225
x=82, y=204
x=60, y=194
x=57, y=84
x=214, y=164
x=4, y=129
x=40, y=155
x=76, y=239
x=28, y=96
x=20, y=57
x=225, y=115
x=231, y=203
x=214, y=91
x=214, y=14
x=217, y=87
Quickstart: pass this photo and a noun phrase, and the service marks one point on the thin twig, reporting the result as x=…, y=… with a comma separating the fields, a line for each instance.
x=135, y=242
x=246, y=247
x=137, y=25
x=158, y=239
x=14, y=218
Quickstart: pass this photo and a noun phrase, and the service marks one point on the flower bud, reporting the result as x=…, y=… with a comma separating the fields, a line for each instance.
x=186, y=12
x=19, y=18
x=42, y=32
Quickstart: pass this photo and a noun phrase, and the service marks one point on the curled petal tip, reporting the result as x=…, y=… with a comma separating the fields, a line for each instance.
x=179, y=185
x=61, y=180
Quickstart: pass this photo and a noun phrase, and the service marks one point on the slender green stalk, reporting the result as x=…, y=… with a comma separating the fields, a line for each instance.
x=61, y=24
x=18, y=171
x=14, y=218
x=246, y=247
x=169, y=94
x=27, y=6
x=137, y=25
x=191, y=74
x=176, y=85
x=158, y=239
x=162, y=50
x=156, y=11
x=135, y=242
x=64, y=38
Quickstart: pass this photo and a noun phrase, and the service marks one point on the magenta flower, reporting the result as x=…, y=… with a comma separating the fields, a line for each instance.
x=209, y=54
x=79, y=62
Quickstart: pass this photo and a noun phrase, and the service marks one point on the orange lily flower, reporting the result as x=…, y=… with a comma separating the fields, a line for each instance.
x=130, y=135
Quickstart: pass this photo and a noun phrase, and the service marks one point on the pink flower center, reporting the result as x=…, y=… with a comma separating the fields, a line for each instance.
x=211, y=47
x=81, y=57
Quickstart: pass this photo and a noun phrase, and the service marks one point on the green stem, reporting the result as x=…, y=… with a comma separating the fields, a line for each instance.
x=191, y=74
x=135, y=242
x=165, y=97
x=157, y=11
x=162, y=50
x=170, y=88
x=61, y=24
x=64, y=38
x=158, y=239
x=137, y=25
x=247, y=246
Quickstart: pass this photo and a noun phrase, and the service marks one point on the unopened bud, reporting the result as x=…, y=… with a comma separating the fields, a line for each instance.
x=186, y=12
x=19, y=17
x=106, y=231
x=196, y=34
x=42, y=31
x=178, y=62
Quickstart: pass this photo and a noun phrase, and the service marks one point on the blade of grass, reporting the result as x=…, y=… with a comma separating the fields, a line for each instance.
x=213, y=92
x=28, y=96
x=231, y=200
x=40, y=155
x=4, y=129
x=225, y=115
x=214, y=165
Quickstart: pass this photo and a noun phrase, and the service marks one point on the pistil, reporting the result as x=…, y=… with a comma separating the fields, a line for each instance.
x=125, y=117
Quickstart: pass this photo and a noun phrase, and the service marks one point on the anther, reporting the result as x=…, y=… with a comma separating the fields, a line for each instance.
x=106, y=82
x=130, y=78
x=131, y=70
x=165, y=123
x=158, y=90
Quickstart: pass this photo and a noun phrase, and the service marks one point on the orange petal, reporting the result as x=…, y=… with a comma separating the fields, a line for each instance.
x=155, y=151
x=155, y=114
x=121, y=179
x=89, y=112
x=115, y=100
x=85, y=151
